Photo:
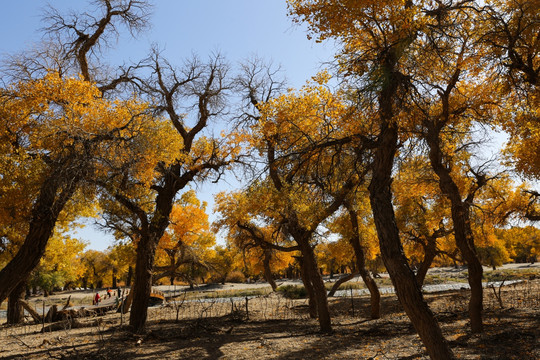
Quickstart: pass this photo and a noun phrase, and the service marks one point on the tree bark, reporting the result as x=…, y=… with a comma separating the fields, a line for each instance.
x=129, y=275
x=306, y=280
x=319, y=291
x=430, y=252
x=361, y=264
x=146, y=249
x=37, y=318
x=462, y=225
x=51, y=200
x=15, y=310
x=341, y=281
x=407, y=289
x=268, y=270
x=142, y=286
x=465, y=242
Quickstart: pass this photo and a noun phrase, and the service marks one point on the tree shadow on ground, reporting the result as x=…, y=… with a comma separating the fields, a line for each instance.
x=510, y=334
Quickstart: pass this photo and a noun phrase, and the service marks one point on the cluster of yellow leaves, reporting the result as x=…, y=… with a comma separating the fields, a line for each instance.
x=49, y=116
x=311, y=111
x=523, y=125
x=189, y=224
x=188, y=234
x=344, y=18
x=341, y=225
x=421, y=209
x=332, y=256
x=522, y=244
x=61, y=263
x=253, y=207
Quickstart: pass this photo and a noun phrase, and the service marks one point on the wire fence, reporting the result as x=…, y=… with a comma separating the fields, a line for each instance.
x=262, y=307
x=523, y=295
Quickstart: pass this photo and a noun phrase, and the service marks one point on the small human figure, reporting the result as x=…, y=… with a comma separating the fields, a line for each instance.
x=97, y=299
x=118, y=292
x=109, y=291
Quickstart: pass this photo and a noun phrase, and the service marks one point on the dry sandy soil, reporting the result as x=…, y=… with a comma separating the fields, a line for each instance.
x=275, y=328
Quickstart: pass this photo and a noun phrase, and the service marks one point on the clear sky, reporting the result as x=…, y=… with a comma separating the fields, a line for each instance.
x=237, y=28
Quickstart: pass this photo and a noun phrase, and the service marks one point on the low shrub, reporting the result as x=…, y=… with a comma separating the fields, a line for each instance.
x=345, y=286
x=236, y=277
x=292, y=291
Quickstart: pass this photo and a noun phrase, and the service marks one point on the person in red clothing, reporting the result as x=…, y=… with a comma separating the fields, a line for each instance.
x=97, y=299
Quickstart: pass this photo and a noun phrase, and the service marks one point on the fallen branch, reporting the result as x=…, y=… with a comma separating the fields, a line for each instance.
x=22, y=342
x=37, y=318
x=498, y=293
x=68, y=303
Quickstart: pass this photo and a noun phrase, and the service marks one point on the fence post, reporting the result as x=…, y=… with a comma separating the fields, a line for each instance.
x=352, y=303
x=122, y=308
x=43, y=318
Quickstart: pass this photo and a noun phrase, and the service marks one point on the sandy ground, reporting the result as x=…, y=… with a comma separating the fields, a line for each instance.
x=511, y=332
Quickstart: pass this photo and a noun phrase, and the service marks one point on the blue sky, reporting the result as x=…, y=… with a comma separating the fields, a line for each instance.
x=237, y=28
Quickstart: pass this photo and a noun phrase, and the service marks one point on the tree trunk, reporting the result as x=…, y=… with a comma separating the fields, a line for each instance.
x=146, y=250
x=319, y=291
x=361, y=264
x=396, y=263
x=44, y=215
x=267, y=270
x=129, y=276
x=341, y=281
x=465, y=242
x=462, y=226
x=312, y=299
x=15, y=310
x=142, y=286
x=430, y=252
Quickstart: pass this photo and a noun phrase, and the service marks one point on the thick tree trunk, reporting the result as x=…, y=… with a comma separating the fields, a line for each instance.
x=407, y=289
x=146, y=250
x=142, y=286
x=306, y=279
x=317, y=283
x=44, y=215
x=361, y=265
x=268, y=270
x=462, y=226
x=15, y=310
